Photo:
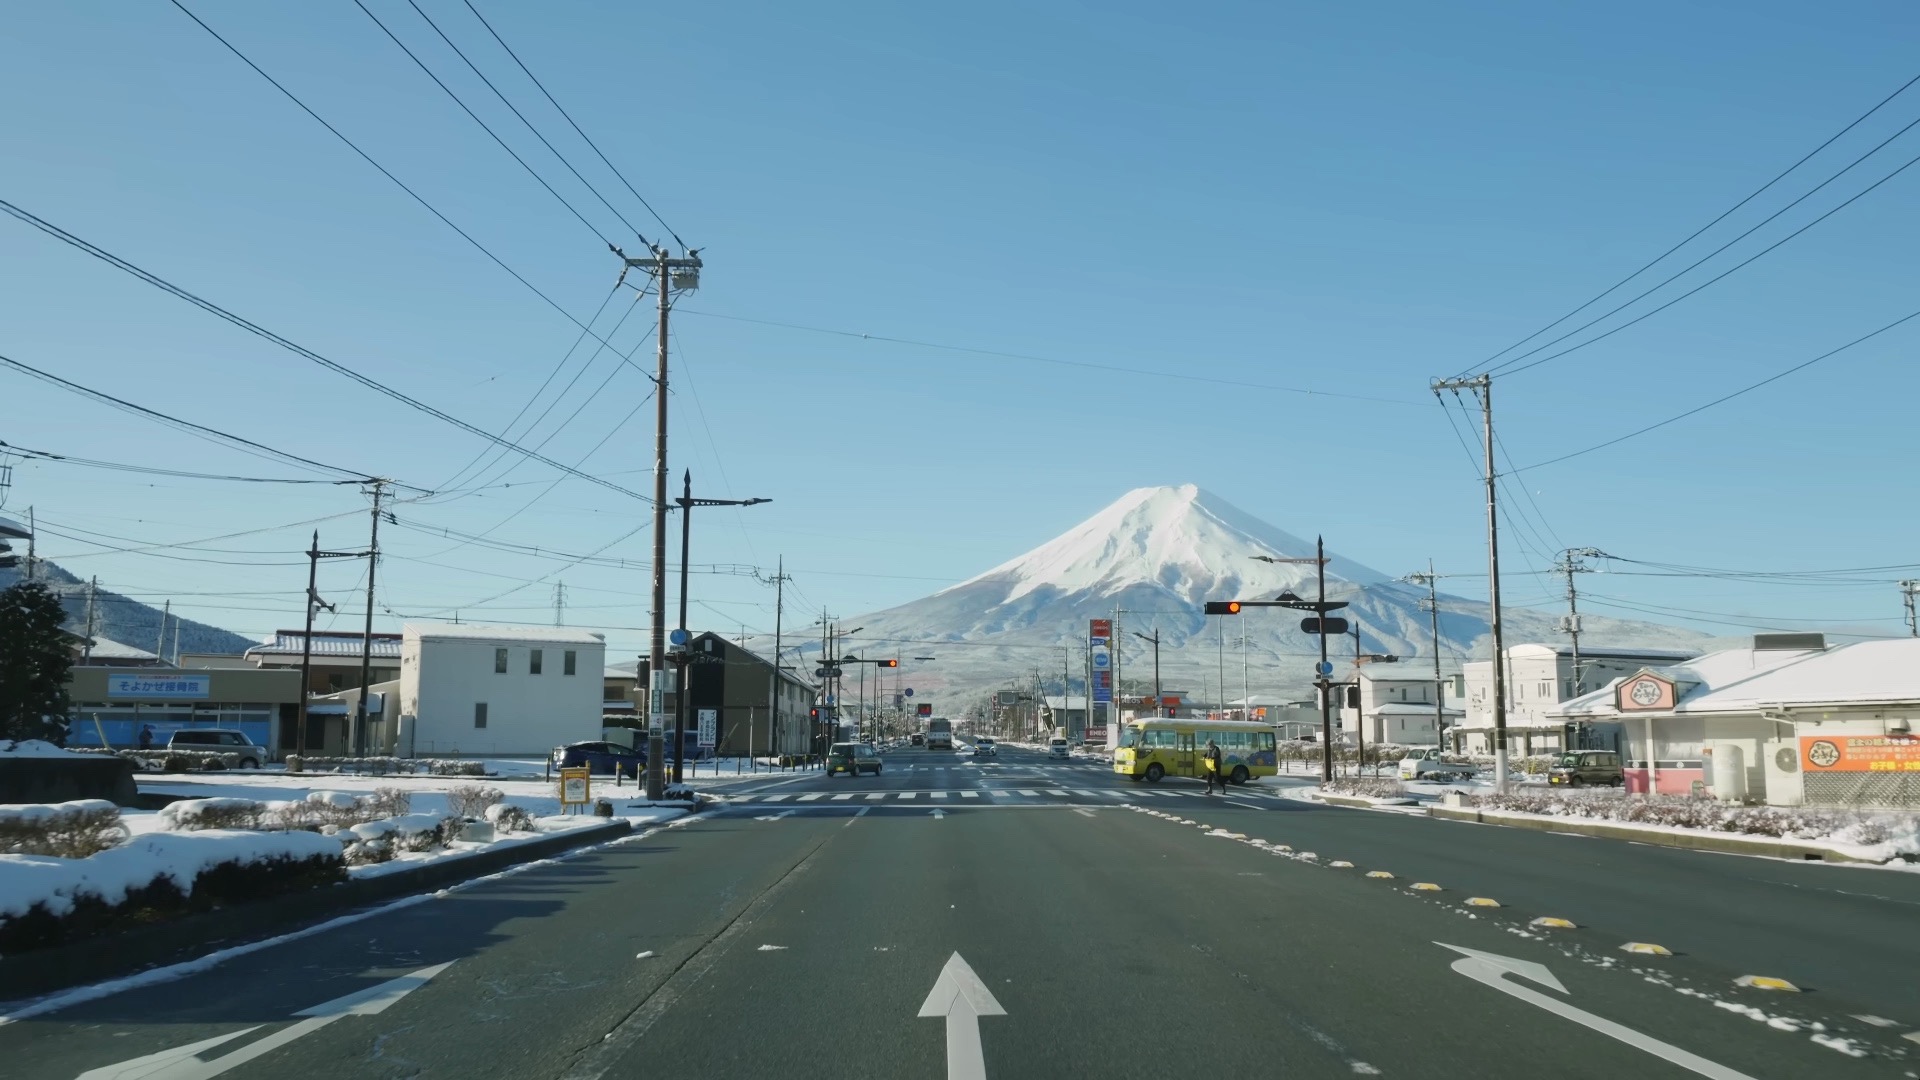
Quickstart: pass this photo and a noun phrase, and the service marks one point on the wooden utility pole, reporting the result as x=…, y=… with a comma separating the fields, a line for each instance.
x=1482, y=386
x=359, y=735
x=93, y=584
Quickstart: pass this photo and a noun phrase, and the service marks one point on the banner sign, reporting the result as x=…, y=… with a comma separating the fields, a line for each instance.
x=152, y=687
x=709, y=725
x=1860, y=753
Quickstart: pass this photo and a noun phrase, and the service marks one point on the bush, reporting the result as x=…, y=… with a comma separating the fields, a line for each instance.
x=411, y=832
x=507, y=817
x=383, y=766
x=472, y=800
x=1369, y=787
x=389, y=802
x=1690, y=812
x=189, y=815
x=68, y=830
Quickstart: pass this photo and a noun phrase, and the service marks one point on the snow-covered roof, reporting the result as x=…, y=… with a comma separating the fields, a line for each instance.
x=1748, y=680
x=1536, y=648
x=537, y=635
x=1398, y=673
x=328, y=643
x=109, y=649
x=1409, y=708
x=1071, y=702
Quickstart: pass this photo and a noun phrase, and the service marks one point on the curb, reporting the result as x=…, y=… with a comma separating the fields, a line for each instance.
x=1727, y=843
x=1362, y=803
x=42, y=971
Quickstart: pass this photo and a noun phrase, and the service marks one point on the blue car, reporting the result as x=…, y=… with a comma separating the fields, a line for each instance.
x=601, y=758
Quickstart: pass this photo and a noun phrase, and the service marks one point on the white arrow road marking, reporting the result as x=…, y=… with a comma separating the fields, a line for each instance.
x=182, y=1062
x=1083, y=811
x=960, y=996
x=1489, y=968
x=937, y=813
x=774, y=817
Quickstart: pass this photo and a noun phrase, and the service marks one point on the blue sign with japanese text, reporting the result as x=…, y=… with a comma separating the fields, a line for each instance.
x=160, y=686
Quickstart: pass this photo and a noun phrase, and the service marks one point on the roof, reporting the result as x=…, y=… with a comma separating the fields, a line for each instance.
x=327, y=643
x=1070, y=702
x=1749, y=680
x=109, y=649
x=1400, y=673
x=630, y=669
x=1409, y=708
x=539, y=635
x=1586, y=651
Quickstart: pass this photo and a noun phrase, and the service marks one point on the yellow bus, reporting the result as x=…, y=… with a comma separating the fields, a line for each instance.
x=1158, y=747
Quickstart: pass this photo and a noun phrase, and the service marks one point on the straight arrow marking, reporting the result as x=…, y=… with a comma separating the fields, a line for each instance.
x=938, y=814
x=960, y=996
x=1489, y=968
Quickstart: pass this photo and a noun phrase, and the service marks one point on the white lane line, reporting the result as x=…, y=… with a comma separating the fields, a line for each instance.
x=998, y=793
x=936, y=794
x=1057, y=791
x=858, y=816
x=1095, y=794
x=1244, y=805
x=812, y=795
x=843, y=796
x=873, y=795
x=1035, y=794
x=777, y=798
x=1083, y=811
x=969, y=794
x=906, y=795
x=739, y=798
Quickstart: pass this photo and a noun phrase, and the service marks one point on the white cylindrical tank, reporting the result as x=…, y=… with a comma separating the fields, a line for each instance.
x=1729, y=772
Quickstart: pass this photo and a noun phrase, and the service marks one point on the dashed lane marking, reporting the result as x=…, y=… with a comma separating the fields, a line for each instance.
x=843, y=796
x=812, y=795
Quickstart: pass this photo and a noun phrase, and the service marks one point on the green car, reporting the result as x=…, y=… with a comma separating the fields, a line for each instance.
x=852, y=759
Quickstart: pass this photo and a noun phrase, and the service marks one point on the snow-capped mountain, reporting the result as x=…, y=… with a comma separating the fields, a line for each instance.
x=1155, y=556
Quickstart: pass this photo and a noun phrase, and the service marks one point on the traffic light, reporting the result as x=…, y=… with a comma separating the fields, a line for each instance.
x=813, y=713
x=1353, y=697
x=1223, y=607
x=887, y=663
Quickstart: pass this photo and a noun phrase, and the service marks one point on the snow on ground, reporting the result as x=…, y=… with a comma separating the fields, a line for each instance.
x=640, y=817
x=26, y=880
x=30, y=748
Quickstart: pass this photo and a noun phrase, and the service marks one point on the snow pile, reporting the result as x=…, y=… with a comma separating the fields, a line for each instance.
x=1885, y=835
x=176, y=859
x=30, y=748
x=190, y=815
x=507, y=817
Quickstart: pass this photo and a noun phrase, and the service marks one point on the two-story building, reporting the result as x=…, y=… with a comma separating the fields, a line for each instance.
x=1540, y=677
x=494, y=690
x=753, y=713
x=1402, y=704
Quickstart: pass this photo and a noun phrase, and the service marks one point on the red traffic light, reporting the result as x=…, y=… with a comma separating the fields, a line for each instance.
x=887, y=663
x=1223, y=607
x=813, y=714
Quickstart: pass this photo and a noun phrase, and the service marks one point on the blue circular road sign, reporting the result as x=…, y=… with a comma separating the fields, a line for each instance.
x=909, y=691
x=677, y=637
x=1324, y=668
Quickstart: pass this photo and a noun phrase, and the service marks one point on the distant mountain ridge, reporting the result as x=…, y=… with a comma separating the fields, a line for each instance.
x=124, y=619
x=1157, y=554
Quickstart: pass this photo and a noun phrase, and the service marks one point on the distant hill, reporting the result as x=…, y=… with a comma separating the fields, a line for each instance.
x=124, y=619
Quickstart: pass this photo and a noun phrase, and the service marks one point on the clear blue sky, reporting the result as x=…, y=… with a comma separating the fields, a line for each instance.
x=1345, y=198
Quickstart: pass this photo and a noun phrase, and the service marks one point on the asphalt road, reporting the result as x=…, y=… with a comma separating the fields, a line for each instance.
x=1110, y=934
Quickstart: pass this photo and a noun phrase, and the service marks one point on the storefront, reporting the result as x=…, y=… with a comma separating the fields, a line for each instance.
x=111, y=706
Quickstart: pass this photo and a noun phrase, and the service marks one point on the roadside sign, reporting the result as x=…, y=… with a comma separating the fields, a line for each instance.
x=924, y=709
x=1101, y=658
x=908, y=691
x=1323, y=669
x=677, y=637
x=709, y=727
x=1323, y=626
x=576, y=787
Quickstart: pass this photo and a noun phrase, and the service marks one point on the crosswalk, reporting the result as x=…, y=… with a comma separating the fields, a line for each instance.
x=999, y=795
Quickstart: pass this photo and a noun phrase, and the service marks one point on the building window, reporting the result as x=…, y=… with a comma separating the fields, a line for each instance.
x=533, y=661
x=568, y=661
x=479, y=714
x=499, y=661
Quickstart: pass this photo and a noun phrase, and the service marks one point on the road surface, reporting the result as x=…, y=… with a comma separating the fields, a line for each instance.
x=1032, y=918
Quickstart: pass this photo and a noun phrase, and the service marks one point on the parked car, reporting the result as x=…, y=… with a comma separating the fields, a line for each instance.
x=219, y=742
x=1578, y=768
x=610, y=759
x=852, y=759
x=1058, y=748
x=1431, y=764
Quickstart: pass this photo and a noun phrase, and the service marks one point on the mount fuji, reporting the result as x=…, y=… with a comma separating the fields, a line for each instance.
x=1156, y=555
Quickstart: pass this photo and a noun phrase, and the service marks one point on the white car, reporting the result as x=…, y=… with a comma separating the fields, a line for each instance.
x=1430, y=765
x=1058, y=748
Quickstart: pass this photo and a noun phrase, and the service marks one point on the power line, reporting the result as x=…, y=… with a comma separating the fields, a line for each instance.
x=299, y=350
x=1508, y=369
x=1696, y=233
x=576, y=127
x=483, y=124
x=368, y=158
x=1749, y=388
x=68, y=459
x=1090, y=364
x=248, y=445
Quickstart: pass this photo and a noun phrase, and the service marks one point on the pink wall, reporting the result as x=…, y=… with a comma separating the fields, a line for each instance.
x=1672, y=781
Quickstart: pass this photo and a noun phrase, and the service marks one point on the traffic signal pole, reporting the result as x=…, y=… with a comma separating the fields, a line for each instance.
x=1326, y=684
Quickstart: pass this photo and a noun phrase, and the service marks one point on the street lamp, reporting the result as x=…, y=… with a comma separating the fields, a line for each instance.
x=1157, y=706
x=686, y=502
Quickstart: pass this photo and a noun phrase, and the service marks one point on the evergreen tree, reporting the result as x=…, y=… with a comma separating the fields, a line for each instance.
x=35, y=659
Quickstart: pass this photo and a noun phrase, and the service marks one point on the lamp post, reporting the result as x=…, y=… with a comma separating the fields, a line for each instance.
x=1158, y=707
x=686, y=502
x=1320, y=608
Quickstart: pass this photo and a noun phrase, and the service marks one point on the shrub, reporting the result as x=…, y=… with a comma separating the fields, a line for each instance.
x=1376, y=788
x=189, y=815
x=507, y=817
x=368, y=852
x=472, y=800
x=411, y=832
x=68, y=830
x=382, y=766
x=389, y=802
x=175, y=761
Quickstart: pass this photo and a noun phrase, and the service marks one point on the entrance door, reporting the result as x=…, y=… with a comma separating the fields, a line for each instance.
x=1184, y=761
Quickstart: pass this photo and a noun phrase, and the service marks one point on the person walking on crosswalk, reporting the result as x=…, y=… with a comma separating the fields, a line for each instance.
x=1212, y=759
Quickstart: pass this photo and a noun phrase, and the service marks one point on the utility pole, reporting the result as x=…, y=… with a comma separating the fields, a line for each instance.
x=686, y=502
x=1569, y=564
x=1482, y=386
x=1439, y=691
x=160, y=645
x=33, y=528
x=1907, y=591
x=93, y=585
x=359, y=739
x=668, y=274
x=1159, y=707
x=780, y=580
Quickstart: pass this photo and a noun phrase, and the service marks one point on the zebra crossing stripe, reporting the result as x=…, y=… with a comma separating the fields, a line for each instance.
x=872, y=795
x=908, y=794
x=1056, y=791
x=936, y=794
x=776, y=798
x=810, y=796
x=969, y=794
x=843, y=796
x=1030, y=794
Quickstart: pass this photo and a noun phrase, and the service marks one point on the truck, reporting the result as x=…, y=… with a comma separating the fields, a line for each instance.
x=939, y=733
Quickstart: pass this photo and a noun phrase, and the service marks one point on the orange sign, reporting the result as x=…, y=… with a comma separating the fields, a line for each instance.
x=1860, y=753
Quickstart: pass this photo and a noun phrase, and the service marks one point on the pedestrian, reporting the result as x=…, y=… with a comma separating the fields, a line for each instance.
x=146, y=736
x=1212, y=758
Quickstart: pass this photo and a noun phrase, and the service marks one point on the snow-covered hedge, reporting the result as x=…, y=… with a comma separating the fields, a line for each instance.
x=161, y=759
x=70, y=830
x=1901, y=831
x=472, y=800
x=385, y=766
x=46, y=900
x=319, y=811
x=507, y=817
x=1369, y=787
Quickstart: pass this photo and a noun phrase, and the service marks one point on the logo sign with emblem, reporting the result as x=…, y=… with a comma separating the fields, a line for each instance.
x=576, y=787
x=1099, y=631
x=1645, y=692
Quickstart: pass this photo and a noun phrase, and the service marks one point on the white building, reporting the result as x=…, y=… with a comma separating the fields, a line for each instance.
x=497, y=690
x=1398, y=705
x=1788, y=721
x=1540, y=677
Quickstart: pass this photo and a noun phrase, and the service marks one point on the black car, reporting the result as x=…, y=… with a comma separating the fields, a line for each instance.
x=601, y=758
